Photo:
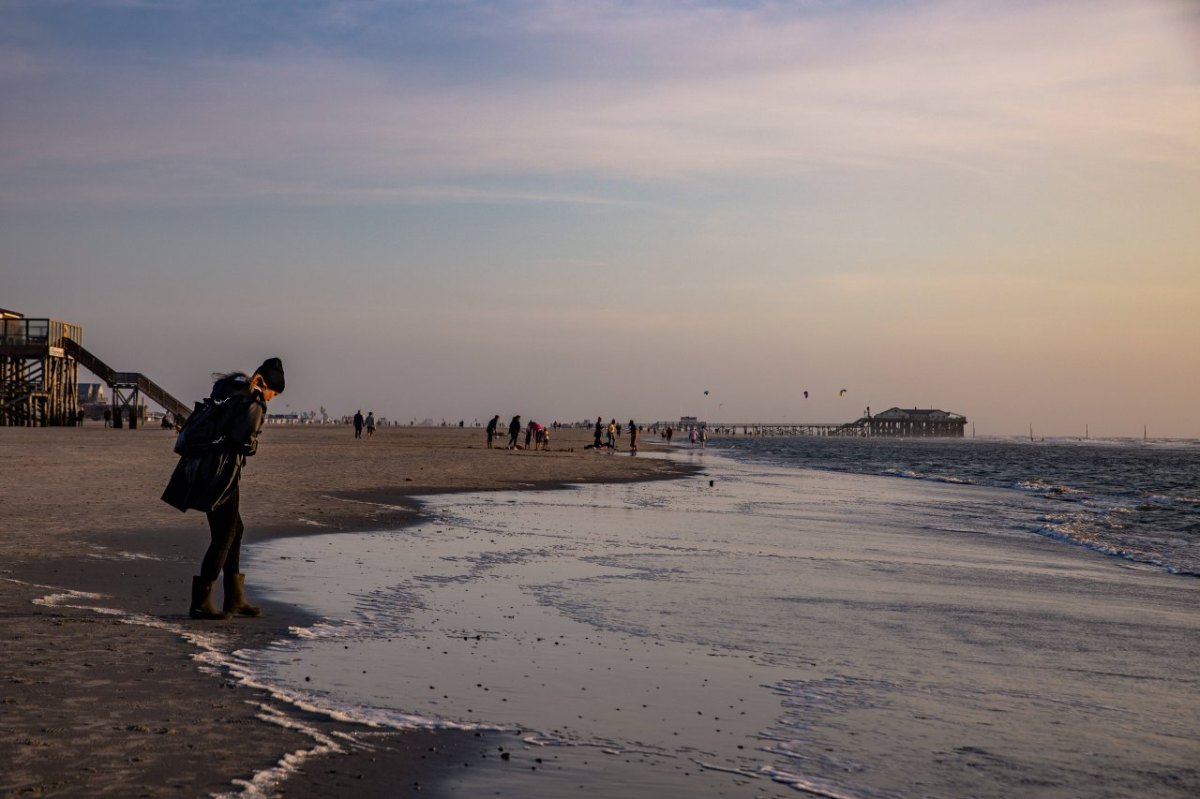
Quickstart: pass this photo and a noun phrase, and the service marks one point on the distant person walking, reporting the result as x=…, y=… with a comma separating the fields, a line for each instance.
x=370, y=424
x=514, y=430
x=358, y=424
x=633, y=437
x=209, y=481
x=491, y=429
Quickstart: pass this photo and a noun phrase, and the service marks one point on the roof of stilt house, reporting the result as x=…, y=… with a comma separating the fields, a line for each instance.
x=915, y=414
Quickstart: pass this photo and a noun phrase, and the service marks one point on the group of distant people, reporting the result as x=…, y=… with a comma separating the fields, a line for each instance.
x=606, y=437
x=537, y=435
x=696, y=435
x=360, y=424
x=76, y=419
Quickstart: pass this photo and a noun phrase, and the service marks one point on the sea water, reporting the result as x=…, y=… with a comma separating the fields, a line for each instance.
x=763, y=629
x=1130, y=497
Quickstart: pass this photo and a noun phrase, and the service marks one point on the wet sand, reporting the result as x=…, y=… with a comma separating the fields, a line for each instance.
x=106, y=686
x=768, y=632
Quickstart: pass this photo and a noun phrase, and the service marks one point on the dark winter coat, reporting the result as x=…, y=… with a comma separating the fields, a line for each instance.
x=204, y=481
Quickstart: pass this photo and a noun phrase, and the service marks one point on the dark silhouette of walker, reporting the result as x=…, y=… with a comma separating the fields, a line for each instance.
x=39, y=376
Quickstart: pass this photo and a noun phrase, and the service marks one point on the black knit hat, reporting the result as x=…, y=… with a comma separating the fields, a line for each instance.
x=272, y=374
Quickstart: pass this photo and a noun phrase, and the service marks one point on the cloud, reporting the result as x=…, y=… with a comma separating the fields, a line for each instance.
x=633, y=94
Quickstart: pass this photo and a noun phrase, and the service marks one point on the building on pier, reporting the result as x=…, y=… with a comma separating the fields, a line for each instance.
x=910, y=423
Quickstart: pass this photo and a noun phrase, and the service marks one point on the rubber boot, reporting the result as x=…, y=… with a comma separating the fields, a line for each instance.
x=202, y=606
x=235, y=597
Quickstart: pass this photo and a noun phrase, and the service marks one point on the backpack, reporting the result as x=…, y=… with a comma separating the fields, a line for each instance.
x=205, y=430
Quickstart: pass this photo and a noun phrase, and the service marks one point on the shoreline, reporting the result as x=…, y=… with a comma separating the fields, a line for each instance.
x=134, y=707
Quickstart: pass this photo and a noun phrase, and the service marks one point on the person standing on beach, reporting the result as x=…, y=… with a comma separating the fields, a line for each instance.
x=358, y=424
x=491, y=429
x=633, y=437
x=612, y=434
x=370, y=424
x=599, y=432
x=242, y=420
x=514, y=430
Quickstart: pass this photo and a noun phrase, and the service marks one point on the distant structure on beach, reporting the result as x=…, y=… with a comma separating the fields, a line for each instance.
x=911, y=423
x=39, y=376
x=91, y=392
x=93, y=400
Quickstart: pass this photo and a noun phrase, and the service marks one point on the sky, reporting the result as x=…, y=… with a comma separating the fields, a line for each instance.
x=460, y=208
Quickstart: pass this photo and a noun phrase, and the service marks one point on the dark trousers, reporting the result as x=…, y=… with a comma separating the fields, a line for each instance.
x=225, y=549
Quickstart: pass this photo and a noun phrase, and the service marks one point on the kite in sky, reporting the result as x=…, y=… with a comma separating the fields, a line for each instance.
x=842, y=393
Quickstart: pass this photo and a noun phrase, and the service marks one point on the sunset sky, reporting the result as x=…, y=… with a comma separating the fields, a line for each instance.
x=570, y=209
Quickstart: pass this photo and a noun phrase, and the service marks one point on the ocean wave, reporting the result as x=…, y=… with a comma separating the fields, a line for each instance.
x=934, y=478
x=1049, y=489
x=1079, y=534
x=827, y=789
x=1134, y=501
x=1172, y=499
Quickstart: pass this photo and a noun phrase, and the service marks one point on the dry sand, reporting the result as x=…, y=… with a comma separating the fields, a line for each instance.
x=93, y=704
